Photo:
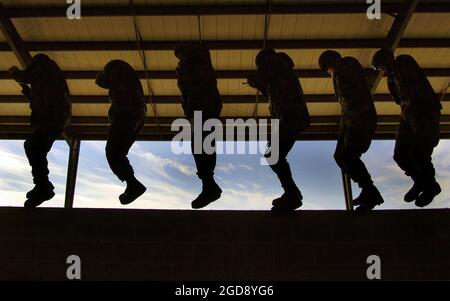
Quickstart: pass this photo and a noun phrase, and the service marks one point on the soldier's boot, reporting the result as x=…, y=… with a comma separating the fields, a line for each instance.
x=38, y=188
x=370, y=198
x=364, y=195
x=290, y=201
x=133, y=191
x=431, y=190
x=211, y=192
x=360, y=199
x=292, y=198
x=42, y=192
x=414, y=192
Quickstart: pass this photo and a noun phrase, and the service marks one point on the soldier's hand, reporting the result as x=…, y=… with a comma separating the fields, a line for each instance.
x=101, y=80
x=26, y=91
x=252, y=81
x=14, y=72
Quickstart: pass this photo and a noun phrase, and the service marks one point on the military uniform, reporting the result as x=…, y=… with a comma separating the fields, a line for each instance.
x=418, y=132
x=199, y=92
x=127, y=114
x=277, y=81
x=359, y=120
x=46, y=89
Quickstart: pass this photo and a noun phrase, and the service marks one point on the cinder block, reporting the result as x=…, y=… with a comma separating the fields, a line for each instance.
x=274, y=232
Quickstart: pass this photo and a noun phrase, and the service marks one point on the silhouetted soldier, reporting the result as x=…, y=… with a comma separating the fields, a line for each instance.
x=418, y=132
x=46, y=89
x=276, y=80
x=127, y=116
x=198, y=86
x=358, y=124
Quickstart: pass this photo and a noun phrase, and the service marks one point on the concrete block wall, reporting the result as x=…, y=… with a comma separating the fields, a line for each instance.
x=233, y=246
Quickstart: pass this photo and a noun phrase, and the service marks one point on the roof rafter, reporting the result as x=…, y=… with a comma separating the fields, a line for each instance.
x=225, y=74
x=230, y=45
x=186, y=10
x=396, y=34
x=176, y=99
x=14, y=41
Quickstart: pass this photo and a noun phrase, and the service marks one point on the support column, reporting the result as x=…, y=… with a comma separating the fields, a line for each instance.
x=347, y=184
x=72, y=172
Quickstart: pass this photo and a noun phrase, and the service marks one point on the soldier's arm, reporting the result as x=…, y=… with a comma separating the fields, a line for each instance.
x=26, y=90
x=410, y=73
x=393, y=92
x=18, y=75
x=350, y=78
x=101, y=81
x=257, y=81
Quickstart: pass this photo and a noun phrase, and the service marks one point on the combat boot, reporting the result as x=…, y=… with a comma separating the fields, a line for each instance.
x=134, y=190
x=211, y=192
x=414, y=192
x=360, y=199
x=429, y=193
x=290, y=201
x=38, y=188
x=370, y=198
x=39, y=194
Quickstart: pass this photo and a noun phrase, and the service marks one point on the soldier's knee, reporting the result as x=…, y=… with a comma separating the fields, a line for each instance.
x=421, y=156
x=339, y=157
x=348, y=158
x=398, y=158
x=27, y=145
x=110, y=150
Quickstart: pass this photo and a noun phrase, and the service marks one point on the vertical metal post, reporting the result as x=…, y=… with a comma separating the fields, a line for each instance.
x=72, y=172
x=347, y=184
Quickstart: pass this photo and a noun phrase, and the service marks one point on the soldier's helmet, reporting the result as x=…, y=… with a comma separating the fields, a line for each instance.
x=327, y=59
x=285, y=60
x=265, y=56
x=117, y=70
x=194, y=52
x=381, y=57
x=41, y=65
x=41, y=58
x=181, y=49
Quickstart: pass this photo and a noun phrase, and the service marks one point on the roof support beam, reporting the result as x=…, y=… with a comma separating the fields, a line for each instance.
x=230, y=45
x=167, y=121
x=224, y=74
x=176, y=99
x=315, y=132
x=13, y=38
x=179, y=10
x=192, y=10
x=396, y=33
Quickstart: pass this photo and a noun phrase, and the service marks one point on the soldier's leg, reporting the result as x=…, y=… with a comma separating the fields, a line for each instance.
x=404, y=158
x=121, y=138
x=36, y=149
x=282, y=168
x=206, y=164
x=403, y=149
x=292, y=196
x=117, y=148
x=355, y=144
x=424, y=139
x=339, y=153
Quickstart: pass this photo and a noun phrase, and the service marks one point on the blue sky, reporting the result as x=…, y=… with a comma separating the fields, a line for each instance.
x=172, y=183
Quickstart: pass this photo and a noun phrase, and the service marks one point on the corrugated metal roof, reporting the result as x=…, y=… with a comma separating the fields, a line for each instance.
x=217, y=27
